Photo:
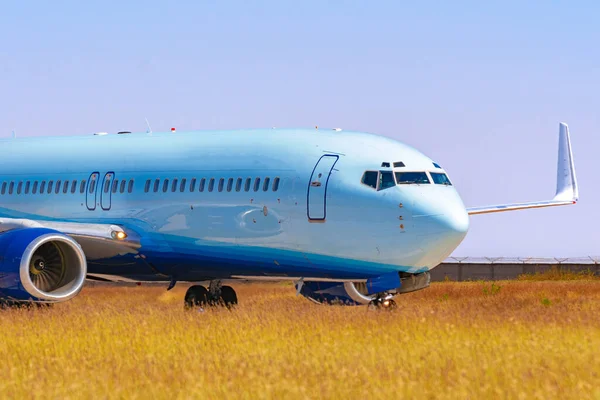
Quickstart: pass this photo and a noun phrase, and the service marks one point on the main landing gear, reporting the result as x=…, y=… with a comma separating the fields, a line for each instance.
x=198, y=296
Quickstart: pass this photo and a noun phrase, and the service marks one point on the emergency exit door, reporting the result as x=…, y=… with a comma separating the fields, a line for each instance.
x=90, y=192
x=317, y=188
x=106, y=190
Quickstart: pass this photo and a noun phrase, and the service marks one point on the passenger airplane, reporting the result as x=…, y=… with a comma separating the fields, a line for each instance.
x=350, y=217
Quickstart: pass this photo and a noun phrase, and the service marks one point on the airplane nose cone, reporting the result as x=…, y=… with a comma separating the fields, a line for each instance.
x=450, y=222
x=454, y=220
x=441, y=222
x=441, y=213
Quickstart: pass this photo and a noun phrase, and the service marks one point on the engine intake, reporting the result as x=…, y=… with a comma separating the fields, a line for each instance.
x=40, y=264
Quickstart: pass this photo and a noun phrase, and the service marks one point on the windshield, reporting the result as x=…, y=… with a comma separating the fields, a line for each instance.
x=405, y=178
x=440, y=178
x=386, y=180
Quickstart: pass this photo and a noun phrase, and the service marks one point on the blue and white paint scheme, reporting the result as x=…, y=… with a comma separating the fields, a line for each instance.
x=348, y=216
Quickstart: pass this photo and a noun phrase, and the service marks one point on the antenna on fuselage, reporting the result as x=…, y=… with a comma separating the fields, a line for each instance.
x=14, y=134
x=149, y=130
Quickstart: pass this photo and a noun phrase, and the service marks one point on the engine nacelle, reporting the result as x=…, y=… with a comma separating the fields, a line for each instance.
x=358, y=293
x=40, y=264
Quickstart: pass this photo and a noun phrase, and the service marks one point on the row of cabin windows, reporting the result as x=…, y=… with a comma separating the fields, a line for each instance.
x=222, y=184
x=117, y=186
x=120, y=186
x=60, y=186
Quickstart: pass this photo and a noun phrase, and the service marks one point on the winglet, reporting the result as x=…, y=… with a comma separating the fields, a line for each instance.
x=566, y=180
x=567, y=191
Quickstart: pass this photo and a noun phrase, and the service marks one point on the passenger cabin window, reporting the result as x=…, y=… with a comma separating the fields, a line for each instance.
x=406, y=178
x=11, y=188
x=65, y=187
x=115, y=185
x=229, y=184
x=182, y=185
x=238, y=184
x=42, y=187
x=156, y=185
x=122, y=187
x=165, y=186
x=81, y=186
x=174, y=185
x=439, y=178
x=34, y=188
x=147, y=187
x=19, y=187
x=57, y=188
x=221, y=184
x=386, y=180
x=27, y=186
x=202, y=184
x=91, y=189
x=370, y=178
x=74, y=186
x=3, y=187
x=276, y=184
x=247, y=184
x=256, y=184
x=130, y=186
x=211, y=184
x=51, y=184
x=193, y=184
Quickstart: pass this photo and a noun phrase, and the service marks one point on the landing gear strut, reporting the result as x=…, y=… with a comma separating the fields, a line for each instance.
x=198, y=296
x=384, y=301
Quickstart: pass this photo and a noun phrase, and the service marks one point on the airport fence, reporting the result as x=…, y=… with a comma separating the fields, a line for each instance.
x=501, y=268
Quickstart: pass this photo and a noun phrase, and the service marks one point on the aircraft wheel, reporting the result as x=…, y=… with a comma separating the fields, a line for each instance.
x=383, y=304
x=196, y=296
x=228, y=296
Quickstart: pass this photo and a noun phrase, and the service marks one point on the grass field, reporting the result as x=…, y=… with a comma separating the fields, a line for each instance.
x=454, y=340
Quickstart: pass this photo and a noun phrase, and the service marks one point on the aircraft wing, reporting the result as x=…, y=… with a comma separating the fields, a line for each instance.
x=96, y=240
x=567, y=191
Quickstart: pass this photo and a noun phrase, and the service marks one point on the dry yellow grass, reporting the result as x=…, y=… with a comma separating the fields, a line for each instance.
x=454, y=340
x=560, y=274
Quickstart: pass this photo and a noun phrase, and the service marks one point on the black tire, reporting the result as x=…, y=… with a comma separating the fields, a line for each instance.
x=196, y=296
x=384, y=305
x=228, y=296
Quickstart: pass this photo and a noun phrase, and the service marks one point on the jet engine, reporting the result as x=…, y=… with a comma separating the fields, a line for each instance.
x=40, y=265
x=359, y=293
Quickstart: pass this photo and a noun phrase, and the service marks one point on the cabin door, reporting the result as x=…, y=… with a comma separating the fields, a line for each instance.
x=317, y=188
x=106, y=191
x=90, y=191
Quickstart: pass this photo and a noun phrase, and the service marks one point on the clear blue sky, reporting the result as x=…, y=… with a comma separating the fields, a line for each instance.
x=479, y=87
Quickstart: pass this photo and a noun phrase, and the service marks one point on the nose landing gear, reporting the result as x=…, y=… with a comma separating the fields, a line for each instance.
x=198, y=297
x=383, y=301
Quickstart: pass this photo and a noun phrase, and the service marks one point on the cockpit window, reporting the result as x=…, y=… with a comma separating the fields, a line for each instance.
x=437, y=165
x=370, y=178
x=440, y=178
x=399, y=164
x=406, y=178
x=386, y=180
